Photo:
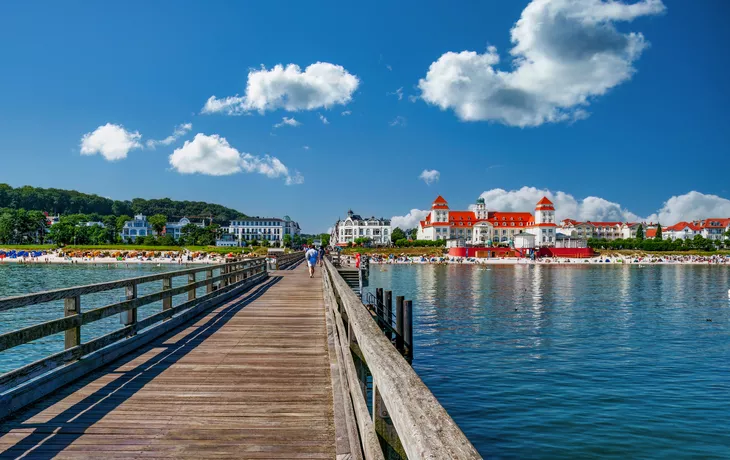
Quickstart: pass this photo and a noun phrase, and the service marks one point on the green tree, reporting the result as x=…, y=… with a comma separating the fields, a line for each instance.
x=397, y=234
x=325, y=238
x=640, y=232
x=167, y=240
x=658, y=235
x=158, y=222
x=287, y=240
x=413, y=233
x=7, y=227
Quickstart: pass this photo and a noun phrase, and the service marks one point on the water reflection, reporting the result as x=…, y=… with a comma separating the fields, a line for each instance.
x=575, y=361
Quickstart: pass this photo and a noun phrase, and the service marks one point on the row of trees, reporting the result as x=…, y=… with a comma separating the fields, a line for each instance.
x=698, y=243
x=65, y=202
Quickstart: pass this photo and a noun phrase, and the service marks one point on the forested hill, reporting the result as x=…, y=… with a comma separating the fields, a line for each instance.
x=57, y=201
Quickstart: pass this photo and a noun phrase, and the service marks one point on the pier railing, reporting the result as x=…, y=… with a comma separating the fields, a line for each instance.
x=16, y=388
x=407, y=419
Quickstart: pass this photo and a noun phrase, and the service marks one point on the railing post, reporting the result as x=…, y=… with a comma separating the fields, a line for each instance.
x=384, y=426
x=71, y=307
x=129, y=317
x=166, y=286
x=388, y=312
x=209, y=285
x=408, y=328
x=399, y=323
x=191, y=292
x=378, y=305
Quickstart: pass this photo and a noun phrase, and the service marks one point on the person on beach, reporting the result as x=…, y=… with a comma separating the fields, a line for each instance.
x=312, y=256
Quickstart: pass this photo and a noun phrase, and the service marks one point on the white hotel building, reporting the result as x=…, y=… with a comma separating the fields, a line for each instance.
x=481, y=226
x=270, y=229
x=346, y=231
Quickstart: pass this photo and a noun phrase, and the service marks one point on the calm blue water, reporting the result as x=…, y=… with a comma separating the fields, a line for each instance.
x=575, y=362
x=16, y=279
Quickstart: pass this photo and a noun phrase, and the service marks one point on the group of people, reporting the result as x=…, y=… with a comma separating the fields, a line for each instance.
x=314, y=256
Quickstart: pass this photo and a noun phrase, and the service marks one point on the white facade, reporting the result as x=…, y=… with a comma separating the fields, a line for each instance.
x=139, y=227
x=525, y=241
x=174, y=229
x=346, y=231
x=481, y=227
x=269, y=229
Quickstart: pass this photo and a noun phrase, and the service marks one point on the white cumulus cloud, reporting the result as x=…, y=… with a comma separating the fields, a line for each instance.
x=320, y=85
x=410, y=220
x=111, y=141
x=213, y=155
x=180, y=130
x=323, y=119
x=429, y=176
x=691, y=206
x=566, y=205
x=565, y=53
x=286, y=121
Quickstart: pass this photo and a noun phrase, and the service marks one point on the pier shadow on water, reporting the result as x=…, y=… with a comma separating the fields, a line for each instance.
x=50, y=438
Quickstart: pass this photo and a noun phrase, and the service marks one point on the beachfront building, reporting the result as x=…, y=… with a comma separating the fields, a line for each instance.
x=138, y=227
x=174, y=229
x=346, y=231
x=680, y=231
x=714, y=228
x=270, y=229
x=480, y=226
x=610, y=230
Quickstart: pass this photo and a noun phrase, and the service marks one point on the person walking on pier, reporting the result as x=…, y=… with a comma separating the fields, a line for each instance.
x=311, y=255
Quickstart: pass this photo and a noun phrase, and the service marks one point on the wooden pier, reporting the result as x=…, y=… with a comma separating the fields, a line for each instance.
x=261, y=366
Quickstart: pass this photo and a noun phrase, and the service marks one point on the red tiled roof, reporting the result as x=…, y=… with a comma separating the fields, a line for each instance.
x=678, y=227
x=650, y=233
x=604, y=224
x=544, y=200
x=721, y=223
x=439, y=200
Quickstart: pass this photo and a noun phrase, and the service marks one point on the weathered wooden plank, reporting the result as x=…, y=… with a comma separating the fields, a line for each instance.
x=424, y=427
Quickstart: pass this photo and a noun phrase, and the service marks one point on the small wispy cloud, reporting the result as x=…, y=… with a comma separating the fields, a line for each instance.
x=286, y=121
x=180, y=130
x=429, y=176
x=494, y=166
x=412, y=98
x=346, y=113
x=398, y=121
x=306, y=147
x=324, y=119
x=398, y=93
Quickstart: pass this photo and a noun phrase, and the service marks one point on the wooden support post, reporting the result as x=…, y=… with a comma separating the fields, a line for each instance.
x=385, y=429
x=399, y=323
x=388, y=312
x=209, y=285
x=379, y=304
x=71, y=307
x=166, y=286
x=129, y=317
x=408, y=328
x=191, y=292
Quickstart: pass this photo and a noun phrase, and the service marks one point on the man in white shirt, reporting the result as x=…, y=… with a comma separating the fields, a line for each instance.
x=312, y=256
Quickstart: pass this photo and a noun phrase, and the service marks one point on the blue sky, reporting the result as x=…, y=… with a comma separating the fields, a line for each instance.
x=650, y=127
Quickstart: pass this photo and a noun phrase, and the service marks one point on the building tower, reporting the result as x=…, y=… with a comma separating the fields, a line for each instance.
x=481, y=210
x=545, y=223
x=439, y=210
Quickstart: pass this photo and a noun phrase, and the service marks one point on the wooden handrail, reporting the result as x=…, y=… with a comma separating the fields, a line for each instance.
x=9, y=303
x=424, y=428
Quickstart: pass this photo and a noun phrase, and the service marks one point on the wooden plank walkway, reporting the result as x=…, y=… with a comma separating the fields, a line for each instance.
x=250, y=379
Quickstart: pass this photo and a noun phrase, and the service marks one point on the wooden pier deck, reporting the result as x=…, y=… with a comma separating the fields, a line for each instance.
x=249, y=379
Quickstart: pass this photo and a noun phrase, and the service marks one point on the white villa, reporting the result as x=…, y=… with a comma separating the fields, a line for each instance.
x=270, y=229
x=481, y=226
x=346, y=231
x=139, y=227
